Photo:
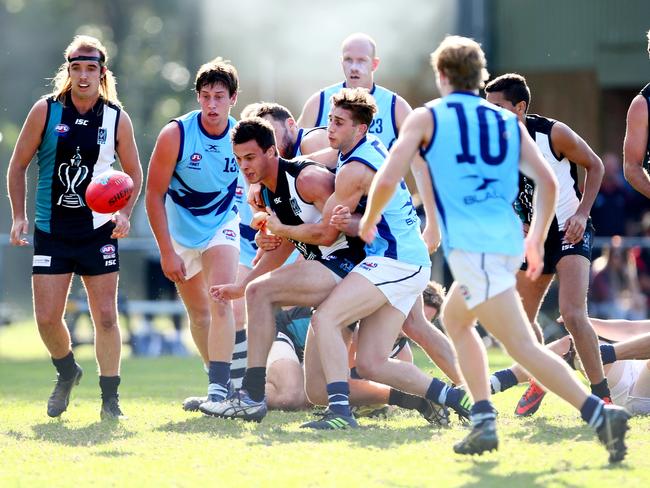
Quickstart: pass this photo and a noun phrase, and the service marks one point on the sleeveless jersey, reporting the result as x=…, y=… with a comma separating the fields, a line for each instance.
x=383, y=126
x=291, y=209
x=473, y=158
x=566, y=172
x=398, y=231
x=295, y=150
x=201, y=194
x=74, y=148
x=645, y=93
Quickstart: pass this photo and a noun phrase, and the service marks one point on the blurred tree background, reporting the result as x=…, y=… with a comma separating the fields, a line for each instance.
x=584, y=60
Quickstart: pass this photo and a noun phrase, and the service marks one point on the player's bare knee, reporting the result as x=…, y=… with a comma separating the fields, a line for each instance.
x=368, y=367
x=106, y=322
x=199, y=320
x=575, y=317
x=259, y=291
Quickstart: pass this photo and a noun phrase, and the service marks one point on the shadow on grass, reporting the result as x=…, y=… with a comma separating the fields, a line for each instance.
x=90, y=435
x=283, y=428
x=113, y=454
x=538, y=430
x=483, y=472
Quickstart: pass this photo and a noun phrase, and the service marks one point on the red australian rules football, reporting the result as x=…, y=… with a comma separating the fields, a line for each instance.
x=109, y=191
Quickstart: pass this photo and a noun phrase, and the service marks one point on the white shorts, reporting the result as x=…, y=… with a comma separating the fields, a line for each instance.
x=628, y=372
x=282, y=349
x=401, y=283
x=226, y=235
x=482, y=275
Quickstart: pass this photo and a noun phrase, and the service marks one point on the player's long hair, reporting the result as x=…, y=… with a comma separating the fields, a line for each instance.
x=107, y=83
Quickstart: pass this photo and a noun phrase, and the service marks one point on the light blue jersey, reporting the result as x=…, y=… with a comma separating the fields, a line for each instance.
x=398, y=231
x=247, y=246
x=473, y=159
x=383, y=126
x=201, y=194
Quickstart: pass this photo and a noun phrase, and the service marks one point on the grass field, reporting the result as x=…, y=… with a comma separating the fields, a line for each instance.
x=162, y=445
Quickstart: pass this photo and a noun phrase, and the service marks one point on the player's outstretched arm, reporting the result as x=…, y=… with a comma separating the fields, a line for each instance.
x=635, y=146
x=28, y=141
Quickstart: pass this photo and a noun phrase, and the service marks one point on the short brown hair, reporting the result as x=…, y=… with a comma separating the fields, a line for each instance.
x=433, y=296
x=359, y=102
x=462, y=61
x=262, y=109
x=217, y=71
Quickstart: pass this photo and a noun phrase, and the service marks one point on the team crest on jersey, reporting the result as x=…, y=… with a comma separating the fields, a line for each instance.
x=294, y=206
x=61, y=129
x=195, y=161
x=101, y=135
x=239, y=191
x=230, y=234
x=368, y=265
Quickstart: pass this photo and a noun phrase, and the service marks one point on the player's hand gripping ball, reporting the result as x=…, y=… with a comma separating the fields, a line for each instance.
x=109, y=192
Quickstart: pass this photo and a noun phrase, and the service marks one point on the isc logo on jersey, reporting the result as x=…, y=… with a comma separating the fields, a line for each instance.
x=195, y=160
x=230, y=234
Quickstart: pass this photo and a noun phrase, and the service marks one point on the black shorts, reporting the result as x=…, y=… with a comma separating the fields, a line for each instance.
x=95, y=254
x=555, y=249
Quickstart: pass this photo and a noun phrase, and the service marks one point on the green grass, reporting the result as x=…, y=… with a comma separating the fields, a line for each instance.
x=162, y=445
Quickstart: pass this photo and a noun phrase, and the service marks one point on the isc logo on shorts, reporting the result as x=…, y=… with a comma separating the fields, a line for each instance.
x=230, y=234
x=368, y=265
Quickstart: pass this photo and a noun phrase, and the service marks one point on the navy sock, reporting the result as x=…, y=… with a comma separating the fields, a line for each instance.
x=601, y=390
x=592, y=411
x=607, y=353
x=254, y=383
x=481, y=411
x=338, y=397
x=108, y=385
x=239, y=357
x=437, y=392
x=65, y=366
x=502, y=380
x=219, y=378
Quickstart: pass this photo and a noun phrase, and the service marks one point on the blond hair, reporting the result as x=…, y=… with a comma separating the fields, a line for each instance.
x=462, y=61
x=107, y=84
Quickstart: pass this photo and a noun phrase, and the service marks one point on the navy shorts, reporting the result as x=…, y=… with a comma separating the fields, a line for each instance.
x=95, y=254
x=555, y=249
